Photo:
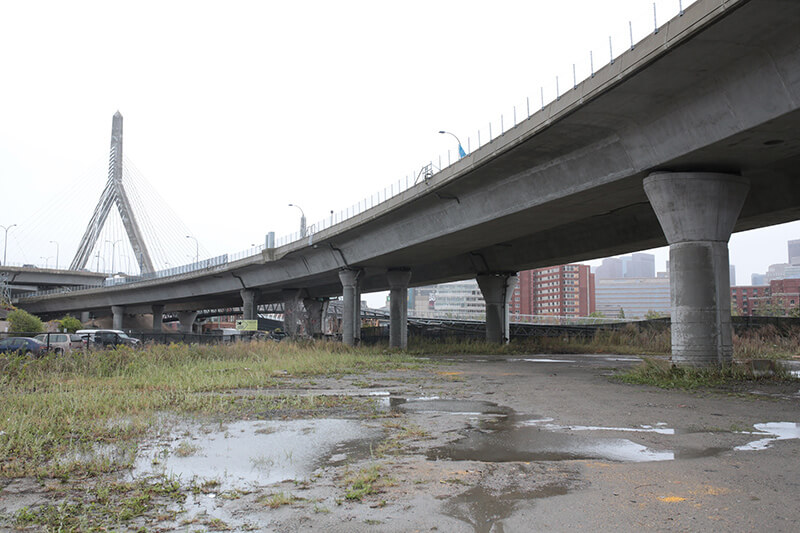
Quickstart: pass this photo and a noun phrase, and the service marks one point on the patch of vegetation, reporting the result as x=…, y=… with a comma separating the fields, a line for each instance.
x=186, y=449
x=67, y=406
x=767, y=342
x=103, y=506
x=366, y=481
x=279, y=499
x=662, y=373
x=21, y=321
x=629, y=339
x=70, y=324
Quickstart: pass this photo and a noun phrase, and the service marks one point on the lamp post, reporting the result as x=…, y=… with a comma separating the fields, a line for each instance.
x=46, y=259
x=113, y=249
x=56, y=243
x=461, y=152
x=98, y=261
x=196, y=248
x=5, y=241
x=302, y=220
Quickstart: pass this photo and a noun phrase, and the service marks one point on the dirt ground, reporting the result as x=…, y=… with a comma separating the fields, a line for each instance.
x=487, y=444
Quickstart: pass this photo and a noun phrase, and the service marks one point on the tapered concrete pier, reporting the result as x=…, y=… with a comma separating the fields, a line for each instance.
x=698, y=211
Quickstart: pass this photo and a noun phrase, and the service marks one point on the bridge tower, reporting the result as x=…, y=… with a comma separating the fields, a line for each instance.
x=113, y=194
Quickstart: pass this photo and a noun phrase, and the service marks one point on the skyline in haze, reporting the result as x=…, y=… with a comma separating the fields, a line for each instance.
x=232, y=112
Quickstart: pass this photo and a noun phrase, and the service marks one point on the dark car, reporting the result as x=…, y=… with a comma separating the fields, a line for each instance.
x=106, y=338
x=23, y=345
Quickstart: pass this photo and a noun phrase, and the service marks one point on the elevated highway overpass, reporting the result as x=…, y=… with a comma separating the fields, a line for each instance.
x=26, y=279
x=693, y=133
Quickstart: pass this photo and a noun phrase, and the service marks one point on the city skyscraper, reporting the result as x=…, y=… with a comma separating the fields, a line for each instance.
x=793, y=247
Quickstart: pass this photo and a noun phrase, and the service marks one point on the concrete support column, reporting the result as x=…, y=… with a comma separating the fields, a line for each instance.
x=84, y=317
x=118, y=312
x=351, y=305
x=497, y=289
x=398, y=308
x=249, y=303
x=316, y=308
x=357, y=313
x=186, y=320
x=158, y=317
x=697, y=211
x=292, y=311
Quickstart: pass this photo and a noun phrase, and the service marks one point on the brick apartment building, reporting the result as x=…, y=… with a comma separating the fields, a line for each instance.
x=563, y=290
x=781, y=296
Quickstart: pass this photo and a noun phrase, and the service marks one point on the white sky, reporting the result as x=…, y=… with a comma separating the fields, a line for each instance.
x=235, y=109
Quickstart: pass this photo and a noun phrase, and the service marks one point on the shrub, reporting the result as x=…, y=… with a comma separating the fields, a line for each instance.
x=70, y=324
x=21, y=321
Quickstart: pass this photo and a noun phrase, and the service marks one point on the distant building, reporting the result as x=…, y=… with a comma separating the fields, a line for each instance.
x=758, y=279
x=634, y=297
x=785, y=295
x=794, y=251
x=638, y=265
x=732, y=270
x=777, y=271
x=562, y=290
x=781, y=297
x=791, y=272
x=745, y=300
x=455, y=299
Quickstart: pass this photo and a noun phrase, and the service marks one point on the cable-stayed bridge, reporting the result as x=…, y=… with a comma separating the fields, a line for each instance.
x=683, y=139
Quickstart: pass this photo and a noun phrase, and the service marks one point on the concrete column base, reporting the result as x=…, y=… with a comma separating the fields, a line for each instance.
x=497, y=289
x=398, y=308
x=186, y=320
x=316, y=308
x=350, y=306
x=293, y=312
x=698, y=211
x=158, y=318
x=118, y=312
x=249, y=303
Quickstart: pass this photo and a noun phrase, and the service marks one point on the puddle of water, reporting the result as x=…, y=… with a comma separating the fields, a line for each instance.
x=773, y=431
x=531, y=443
x=259, y=452
x=658, y=428
x=542, y=360
x=452, y=407
x=484, y=511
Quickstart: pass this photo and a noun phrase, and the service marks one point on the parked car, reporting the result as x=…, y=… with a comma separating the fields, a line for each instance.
x=61, y=342
x=106, y=337
x=24, y=345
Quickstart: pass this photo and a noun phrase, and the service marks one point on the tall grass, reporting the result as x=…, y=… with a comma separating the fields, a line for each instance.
x=627, y=340
x=62, y=406
x=766, y=342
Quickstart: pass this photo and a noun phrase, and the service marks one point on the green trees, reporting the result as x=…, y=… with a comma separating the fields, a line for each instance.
x=21, y=321
x=70, y=324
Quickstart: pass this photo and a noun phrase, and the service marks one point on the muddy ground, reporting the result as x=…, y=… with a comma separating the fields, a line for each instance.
x=482, y=444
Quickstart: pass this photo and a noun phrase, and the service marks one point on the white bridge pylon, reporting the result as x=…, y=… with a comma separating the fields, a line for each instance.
x=113, y=194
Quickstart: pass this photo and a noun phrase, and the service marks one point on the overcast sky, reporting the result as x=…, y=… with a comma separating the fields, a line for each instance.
x=235, y=109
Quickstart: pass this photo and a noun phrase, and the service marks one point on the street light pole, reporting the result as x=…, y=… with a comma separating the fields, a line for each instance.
x=5, y=241
x=46, y=259
x=56, y=243
x=113, y=249
x=302, y=220
x=196, y=248
x=461, y=152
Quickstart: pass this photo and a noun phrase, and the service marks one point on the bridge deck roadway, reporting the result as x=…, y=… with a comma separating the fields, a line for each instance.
x=716, y=89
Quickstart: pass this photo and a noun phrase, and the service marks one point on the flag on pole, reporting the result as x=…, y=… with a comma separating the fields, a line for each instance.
x=461, y=152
